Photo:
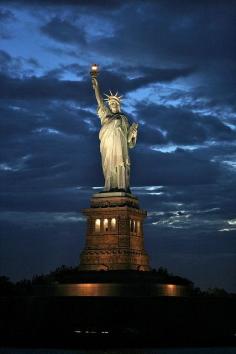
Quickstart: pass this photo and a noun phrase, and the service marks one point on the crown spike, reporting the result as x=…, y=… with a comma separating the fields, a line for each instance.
x=111, y=97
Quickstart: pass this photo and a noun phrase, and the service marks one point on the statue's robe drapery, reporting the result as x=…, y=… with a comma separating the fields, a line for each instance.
x=115, y=140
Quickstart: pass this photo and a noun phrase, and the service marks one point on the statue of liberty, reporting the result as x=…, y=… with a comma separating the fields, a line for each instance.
x=116, y=137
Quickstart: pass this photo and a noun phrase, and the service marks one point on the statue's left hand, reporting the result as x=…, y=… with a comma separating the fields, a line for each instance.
x=132, y=135
x=133, y=129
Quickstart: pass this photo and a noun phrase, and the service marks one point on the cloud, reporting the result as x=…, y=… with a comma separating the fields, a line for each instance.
x=102, y=4
x=5, y=58
x=63, y=31
x=179, y=167
x=44, y=88
x=38, y=118
x=182, y=126
x=115, y=79
x=16, y=67
x=175, y=32
x=74, y=68
x=6, y=15
x=50, y=87
x=33, y=219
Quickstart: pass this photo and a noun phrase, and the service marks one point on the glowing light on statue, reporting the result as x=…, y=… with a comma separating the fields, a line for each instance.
x=94, y=70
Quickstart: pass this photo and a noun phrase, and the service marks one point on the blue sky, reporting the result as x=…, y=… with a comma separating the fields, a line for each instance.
x=174, y=64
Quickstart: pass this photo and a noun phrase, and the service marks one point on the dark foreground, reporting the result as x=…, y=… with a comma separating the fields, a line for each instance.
x=179, y=350
x=82, y=322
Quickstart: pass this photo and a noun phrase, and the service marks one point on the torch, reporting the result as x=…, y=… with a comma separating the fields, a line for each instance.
x=94, y=71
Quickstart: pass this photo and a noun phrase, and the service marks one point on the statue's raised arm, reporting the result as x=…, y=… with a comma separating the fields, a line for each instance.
x=97, y=92
x=94, y=73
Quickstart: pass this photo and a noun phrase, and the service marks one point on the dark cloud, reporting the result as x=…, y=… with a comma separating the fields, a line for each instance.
x=177, y=168
x=63, y=31
x=18, y=122
x=16, y=67
x=5, y=58
x=49, y=87
x=182, y=126
x=39, y=88
x=182, y=32
x=151, y=136
x=47, y=147
x=104, y=4
x=112, y=80
x=6, y=15
x=74, y=68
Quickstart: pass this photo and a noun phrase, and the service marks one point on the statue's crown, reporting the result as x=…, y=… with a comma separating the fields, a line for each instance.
x=113, y=97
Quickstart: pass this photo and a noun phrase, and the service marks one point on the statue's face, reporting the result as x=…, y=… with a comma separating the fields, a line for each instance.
x=114, y=106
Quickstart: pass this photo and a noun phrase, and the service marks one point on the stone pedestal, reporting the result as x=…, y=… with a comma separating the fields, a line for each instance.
x=114, y=239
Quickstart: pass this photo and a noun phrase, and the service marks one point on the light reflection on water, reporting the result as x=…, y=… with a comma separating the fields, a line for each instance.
x=221, y=350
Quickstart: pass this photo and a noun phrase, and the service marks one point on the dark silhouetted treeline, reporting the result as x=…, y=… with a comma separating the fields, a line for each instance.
x=65, y=274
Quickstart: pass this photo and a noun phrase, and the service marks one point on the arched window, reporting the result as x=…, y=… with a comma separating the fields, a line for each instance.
x=97, y=225
x=105, y=224
x=113, y=224
x=138, y=227
x=134, y=226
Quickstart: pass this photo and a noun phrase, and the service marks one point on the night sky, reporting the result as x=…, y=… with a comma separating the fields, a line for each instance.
x=174, y=64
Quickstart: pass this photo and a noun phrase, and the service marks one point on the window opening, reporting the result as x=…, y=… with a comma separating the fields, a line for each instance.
x=105, y=224
x=97, y=225
x=113, y=224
